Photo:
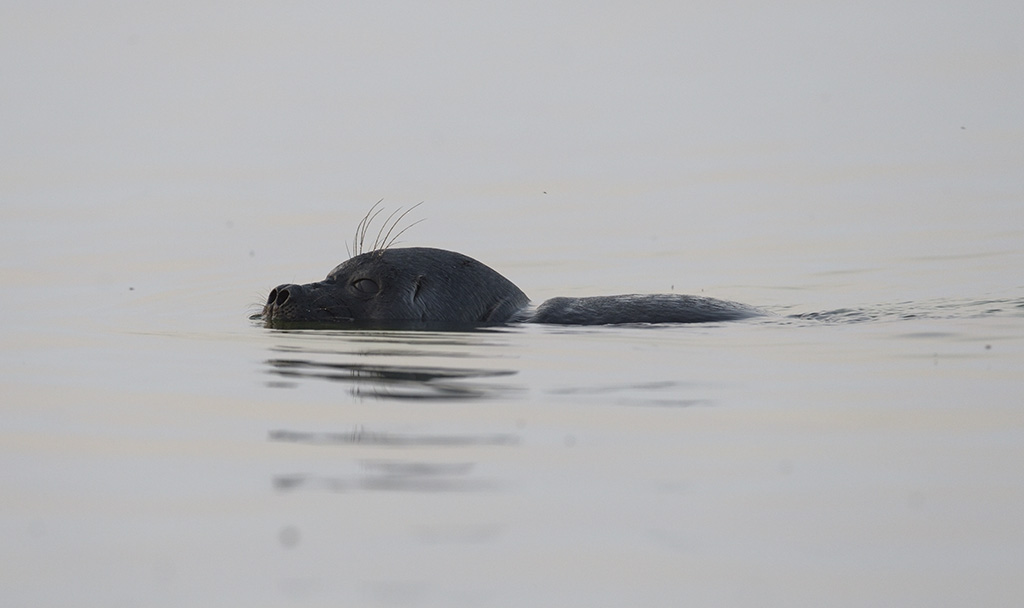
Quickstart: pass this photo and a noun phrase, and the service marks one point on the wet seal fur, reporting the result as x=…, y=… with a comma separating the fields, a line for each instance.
x=436, y=288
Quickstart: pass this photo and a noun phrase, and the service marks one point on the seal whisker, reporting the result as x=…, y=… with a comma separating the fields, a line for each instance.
x=388, y=241
x=366, y=225
x=376, y=241
x=363, y=225
x=392, y=241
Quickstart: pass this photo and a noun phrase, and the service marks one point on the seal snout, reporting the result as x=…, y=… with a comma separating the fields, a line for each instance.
x=279, y=297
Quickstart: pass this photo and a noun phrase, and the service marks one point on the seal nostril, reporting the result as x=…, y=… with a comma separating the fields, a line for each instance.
x=272, y=297
x=282, y=297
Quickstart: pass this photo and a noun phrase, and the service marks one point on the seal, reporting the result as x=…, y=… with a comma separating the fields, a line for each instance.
x=436, y=288
x=395, y=286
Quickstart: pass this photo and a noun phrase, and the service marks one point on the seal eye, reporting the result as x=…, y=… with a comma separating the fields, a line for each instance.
x=365, y=286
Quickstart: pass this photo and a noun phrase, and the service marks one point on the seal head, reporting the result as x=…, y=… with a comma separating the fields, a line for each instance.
x=416, y=285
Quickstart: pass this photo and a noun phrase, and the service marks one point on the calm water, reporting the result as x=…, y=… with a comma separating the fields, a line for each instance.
x=856, y=170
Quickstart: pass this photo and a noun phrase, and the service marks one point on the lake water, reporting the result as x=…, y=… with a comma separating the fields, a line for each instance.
x=857, y=170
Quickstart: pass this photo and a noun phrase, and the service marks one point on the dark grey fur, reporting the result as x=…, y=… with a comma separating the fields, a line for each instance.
x=433, y=287
x=639, y=308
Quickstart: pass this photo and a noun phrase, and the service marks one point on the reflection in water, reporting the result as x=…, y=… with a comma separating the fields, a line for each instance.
x=379, y=438
x=364, y=360
x=392, y=476
x=639, y=393
x=396, y=381
x=377, y=364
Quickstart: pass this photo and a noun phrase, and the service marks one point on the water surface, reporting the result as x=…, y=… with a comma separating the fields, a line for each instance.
x=855, y=170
